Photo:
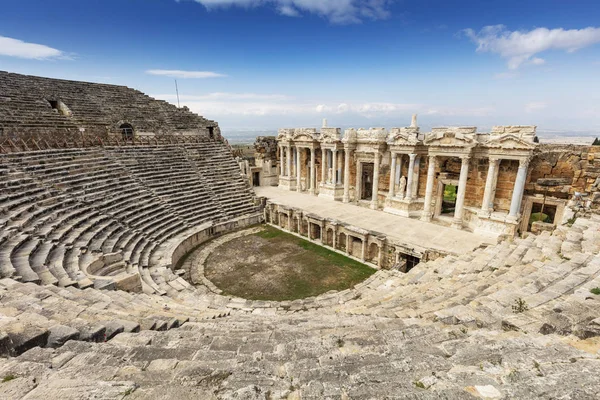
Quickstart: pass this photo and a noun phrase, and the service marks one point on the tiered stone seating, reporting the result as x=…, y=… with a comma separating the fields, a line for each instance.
x=311, y=355
x=64, y=210
x=96, y=107
x=48, y=316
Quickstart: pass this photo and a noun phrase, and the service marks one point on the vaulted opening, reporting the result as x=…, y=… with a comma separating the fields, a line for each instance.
x=126, y=131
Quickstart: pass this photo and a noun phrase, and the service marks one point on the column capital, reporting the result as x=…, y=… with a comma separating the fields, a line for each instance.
x=465, y=157
x=524, y=162
x=494, y=159
x=412, y=156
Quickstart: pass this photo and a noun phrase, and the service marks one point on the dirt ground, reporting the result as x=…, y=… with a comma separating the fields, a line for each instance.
x=274, y=265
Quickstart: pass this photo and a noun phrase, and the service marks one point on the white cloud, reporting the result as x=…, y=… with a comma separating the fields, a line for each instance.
x=535, y=106
x=322, y=108
x=185, y=74
x=17, y=48
x=538, y=61
x=520, y=47
x=337, y=11
x=232, y=105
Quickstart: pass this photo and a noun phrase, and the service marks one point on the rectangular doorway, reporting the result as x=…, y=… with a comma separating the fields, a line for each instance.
x=367, y=181
x=449, y=199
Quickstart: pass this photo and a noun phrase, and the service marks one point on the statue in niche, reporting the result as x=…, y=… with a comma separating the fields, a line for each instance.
x=329, y=175
x=402, y=186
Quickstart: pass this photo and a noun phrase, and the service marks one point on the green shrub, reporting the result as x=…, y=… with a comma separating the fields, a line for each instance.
x=520, y=306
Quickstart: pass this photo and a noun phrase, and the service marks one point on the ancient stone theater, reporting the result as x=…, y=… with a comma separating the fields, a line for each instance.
x=143, y=257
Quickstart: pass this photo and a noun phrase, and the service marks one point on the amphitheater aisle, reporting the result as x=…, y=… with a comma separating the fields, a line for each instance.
x=411, y=232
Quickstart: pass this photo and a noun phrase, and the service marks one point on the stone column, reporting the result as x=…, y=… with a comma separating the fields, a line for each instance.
x=462, y=188
x=410, y=177
x=280, y=160
x=426, y=216
x=517, y=197
x=487, y=204
x=374, y=200
x=358, y=181
x=363, y=255
x=340, y=168
x=346, y=198
x=308, y=233
x=380, y=257
x=348, y=242
x=324, y=162
x=313, y=175
x=298, y=171
x=334, y=238
x=334, y=167
x=288, y=160
x=392, y=177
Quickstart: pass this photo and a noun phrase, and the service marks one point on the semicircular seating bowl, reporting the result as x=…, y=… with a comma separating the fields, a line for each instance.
x=62, y=210
x=75, y=221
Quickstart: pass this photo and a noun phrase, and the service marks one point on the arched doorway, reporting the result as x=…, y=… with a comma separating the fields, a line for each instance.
x=126, y=131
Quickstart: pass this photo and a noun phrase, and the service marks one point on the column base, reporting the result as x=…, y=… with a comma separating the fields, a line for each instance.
x=346, y=199
x=426, y=218
x=457, y=223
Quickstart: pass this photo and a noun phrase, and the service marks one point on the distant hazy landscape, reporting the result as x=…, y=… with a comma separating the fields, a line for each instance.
x=235, y=136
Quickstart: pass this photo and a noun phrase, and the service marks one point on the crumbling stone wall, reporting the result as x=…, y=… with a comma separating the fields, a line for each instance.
x=265, y=147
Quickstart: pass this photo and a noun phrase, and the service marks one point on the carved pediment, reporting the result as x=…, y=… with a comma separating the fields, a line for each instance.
x=452, y=137
x=285, y=134
x=305, y=135
x=330, y=135
x=509, y=141
x=403, y=136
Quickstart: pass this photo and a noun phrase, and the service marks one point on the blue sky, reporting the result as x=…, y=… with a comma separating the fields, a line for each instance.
x=264, y=64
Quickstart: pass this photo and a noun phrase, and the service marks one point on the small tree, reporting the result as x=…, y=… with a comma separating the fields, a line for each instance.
x=596, y=142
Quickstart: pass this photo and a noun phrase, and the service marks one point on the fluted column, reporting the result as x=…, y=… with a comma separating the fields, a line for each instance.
x=358, y=181
x=462, y=188
x=334, y=167
x=346, y=197
x=313, y=175
x=392, y=176
x=426, y=216
x=288, y=160
x=280, y=160
x=410, y=178
x=324, y=162
x=517, y=197
x=374, y=197
x=298, y=170
x=487, y=204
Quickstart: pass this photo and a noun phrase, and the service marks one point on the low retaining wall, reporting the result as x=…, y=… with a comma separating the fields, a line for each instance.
x=210, y=231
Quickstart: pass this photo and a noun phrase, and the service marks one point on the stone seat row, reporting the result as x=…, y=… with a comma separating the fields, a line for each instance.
x=49, y=316
x=56, y=234
x=314, y=354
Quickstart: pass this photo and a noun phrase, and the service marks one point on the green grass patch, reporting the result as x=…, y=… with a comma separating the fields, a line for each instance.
x=595, y=291
x=8, y=378
x=275, y=265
